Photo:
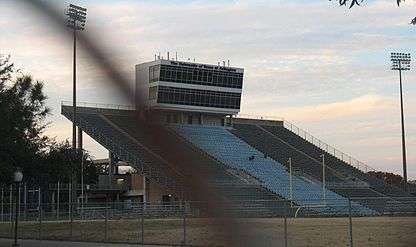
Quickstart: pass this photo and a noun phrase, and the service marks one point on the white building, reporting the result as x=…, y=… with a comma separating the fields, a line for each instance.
x=188, y=93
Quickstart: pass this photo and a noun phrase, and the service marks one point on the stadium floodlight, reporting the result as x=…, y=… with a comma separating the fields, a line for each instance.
x=401, y=61
x=76, y=18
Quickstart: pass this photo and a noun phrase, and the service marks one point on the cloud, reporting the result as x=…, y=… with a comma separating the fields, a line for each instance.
x=312, y=62
x=353, y=108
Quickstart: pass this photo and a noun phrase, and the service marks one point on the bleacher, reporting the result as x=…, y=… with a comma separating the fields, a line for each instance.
x=132, y=142
x=281, y=151
x=335, y=163
x=245, y=165
x=125, y=149
x=235, y=153
x=247, y=198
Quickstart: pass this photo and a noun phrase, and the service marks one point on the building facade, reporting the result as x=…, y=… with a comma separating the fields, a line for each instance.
x=188, y=93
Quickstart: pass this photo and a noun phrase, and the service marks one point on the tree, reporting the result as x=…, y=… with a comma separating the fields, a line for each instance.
x=353, y=3
x=22, y=111
x=388, y=177
x=60, y=161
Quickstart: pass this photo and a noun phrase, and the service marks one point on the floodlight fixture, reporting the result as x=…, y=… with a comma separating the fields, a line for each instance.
x=77, y=17
x=400, y=61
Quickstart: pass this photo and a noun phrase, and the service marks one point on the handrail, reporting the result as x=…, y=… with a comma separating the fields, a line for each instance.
x=259, y=117
x=328, y=148
x=100, y=105
x=320, y=144
x=337, y=173
x=315, y=141
x=128, y=153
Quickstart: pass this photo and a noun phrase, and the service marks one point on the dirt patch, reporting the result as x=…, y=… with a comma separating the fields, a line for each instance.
x=367, y=231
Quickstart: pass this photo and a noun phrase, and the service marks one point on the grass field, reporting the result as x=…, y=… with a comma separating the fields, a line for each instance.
x=374, y=231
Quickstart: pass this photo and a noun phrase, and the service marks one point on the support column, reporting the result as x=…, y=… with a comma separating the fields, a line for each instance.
x=110, y=168
x=144, y=189
x=201, y=119
x=80, y=143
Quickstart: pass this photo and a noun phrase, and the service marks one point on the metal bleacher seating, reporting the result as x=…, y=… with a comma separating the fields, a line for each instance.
x=235, y=153
x=126, y=149
x=247, y=198
x=131, y=141
x=280, y=150
x=335, y=163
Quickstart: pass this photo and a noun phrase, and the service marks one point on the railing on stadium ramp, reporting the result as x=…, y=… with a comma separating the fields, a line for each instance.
x=100, y=105
x=315, y=141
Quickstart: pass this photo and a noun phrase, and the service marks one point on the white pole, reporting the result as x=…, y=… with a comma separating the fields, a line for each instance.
x=290, y=182
x=323, y=178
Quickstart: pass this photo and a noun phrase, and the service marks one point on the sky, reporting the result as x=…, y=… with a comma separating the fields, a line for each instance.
x=322, y=67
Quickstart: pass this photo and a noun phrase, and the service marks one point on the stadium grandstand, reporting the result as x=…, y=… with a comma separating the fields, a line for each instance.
x=255, y=163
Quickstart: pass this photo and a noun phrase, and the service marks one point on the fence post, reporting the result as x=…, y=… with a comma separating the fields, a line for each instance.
x=40, y=219
x=25, y=202
x=11, y=203
x=57, y=202
x=11, y=211
x=350, y=221
x=106, y=219
x=71, y=217
x=69, y=186
x=285, y=222
x=19, y=199
x=2, y=203
x=184, y=224
x=142, y=223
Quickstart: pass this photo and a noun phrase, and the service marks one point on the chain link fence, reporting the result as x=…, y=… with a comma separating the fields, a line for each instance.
x=382, y=222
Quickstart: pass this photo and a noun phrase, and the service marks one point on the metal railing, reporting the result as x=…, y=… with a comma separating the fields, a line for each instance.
x=122, y=151
x=187, y=223
x=259, y=117
x=99, y=105
x=328, y=148
x=315, y=141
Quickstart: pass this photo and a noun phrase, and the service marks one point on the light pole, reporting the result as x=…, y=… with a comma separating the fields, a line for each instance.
x=17, y=179
x=401, y=61
x=323, y=178
x=77, y=16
